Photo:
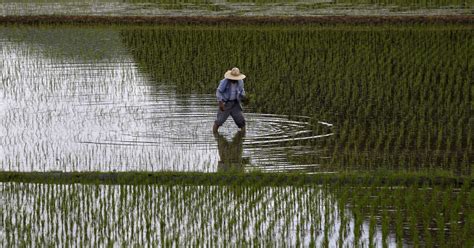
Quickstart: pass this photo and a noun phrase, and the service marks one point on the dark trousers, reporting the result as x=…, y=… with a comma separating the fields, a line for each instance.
x=233, y=109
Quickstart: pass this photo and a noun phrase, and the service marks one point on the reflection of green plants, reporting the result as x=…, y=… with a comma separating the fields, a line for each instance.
x=95, y=214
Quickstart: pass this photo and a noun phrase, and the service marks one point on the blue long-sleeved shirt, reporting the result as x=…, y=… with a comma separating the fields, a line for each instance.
x=224, y=90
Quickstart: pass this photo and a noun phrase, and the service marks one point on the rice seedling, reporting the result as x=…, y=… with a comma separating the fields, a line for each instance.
x=392, y=109
x=96, y=215
x=399, y=103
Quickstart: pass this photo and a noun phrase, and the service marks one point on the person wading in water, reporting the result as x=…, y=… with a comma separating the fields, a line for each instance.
x=229, y=94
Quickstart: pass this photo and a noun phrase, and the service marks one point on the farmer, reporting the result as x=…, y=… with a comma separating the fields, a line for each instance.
x=229, y=95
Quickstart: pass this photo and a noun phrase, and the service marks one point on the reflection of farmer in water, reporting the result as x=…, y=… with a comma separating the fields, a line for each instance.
x=230, y=152
x=229, y=95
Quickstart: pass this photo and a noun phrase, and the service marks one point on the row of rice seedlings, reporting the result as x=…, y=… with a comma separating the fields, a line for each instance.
x=421, y=216
x=328, y=215
x=139, y=215
x=433, y=121
x=391, y=91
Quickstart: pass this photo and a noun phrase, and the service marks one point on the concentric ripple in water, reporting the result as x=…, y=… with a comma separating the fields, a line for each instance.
x=75, y=113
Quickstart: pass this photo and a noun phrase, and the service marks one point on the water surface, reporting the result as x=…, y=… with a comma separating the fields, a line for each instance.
x=321, y=216
x=74, y=99
x=235, y=8
x=100, y=215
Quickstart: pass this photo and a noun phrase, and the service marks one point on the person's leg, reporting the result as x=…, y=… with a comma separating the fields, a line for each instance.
x=221, y=118
x=237, y=116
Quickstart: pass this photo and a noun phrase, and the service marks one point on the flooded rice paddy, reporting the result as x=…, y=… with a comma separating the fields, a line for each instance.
x=121, y=215
x=322, y=98
x=85, y=104
x=126, y=98
x=172, y=215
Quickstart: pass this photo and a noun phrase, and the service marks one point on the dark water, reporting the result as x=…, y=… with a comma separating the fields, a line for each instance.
x=74, y=99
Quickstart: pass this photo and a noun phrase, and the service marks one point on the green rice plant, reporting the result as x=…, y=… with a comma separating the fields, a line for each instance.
x=387, y=98
x=395, y=92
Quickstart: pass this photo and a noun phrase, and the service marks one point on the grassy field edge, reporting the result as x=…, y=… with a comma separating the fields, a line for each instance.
x=250, y=179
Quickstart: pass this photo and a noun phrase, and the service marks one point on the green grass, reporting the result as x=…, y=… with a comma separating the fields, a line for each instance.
x=383, y=178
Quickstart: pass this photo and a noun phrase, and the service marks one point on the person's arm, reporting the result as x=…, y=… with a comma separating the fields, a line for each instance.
x=220, y=90
x=220, y=94
x=242, y=92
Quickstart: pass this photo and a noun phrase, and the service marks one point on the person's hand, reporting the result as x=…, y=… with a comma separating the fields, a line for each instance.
x=221, y=106
x=245, y=100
